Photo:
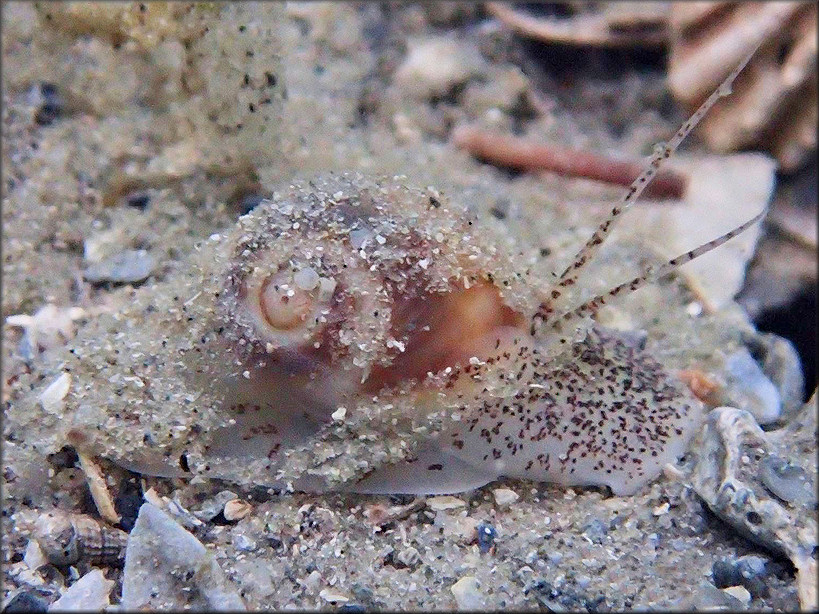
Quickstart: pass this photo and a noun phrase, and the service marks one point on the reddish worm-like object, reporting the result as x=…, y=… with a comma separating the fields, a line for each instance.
x=513, y=152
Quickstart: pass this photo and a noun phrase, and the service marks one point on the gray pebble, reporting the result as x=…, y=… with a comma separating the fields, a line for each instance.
x=408, y=557
x=747, y=388
x=781, y=364
x=787, y=481
x=707, y=597
x=555, y=557
x=168, y=568
x=244, y=543
x=213, y=507
x=88, y=594
x=596, y=530
x=128, y=266
x=26, y=601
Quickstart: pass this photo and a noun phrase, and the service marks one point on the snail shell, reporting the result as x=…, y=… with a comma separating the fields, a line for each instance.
x=68, y=538
x=337, y=291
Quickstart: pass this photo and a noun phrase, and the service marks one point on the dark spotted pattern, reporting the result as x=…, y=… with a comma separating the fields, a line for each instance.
x=609, y=416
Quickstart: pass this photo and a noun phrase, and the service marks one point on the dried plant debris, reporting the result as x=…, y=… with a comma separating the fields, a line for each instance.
x=774, y=104
x=601, y=24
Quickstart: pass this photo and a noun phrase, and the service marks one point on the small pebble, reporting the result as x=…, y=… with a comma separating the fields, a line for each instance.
x=505, y=496
x=128, y=266
x=25, y=602
x=306, y=279
x=596, y=530
x=166, y=567
x=331, y=595
x=464, y=529
x=236, y=509
x=53, y=397
x=51, y=107
x=244, y=543
x=445, y=502
x=408, y=557
x=583, y=581
x=747, y=571
x=661, y=510
x=138, y=200
x=89, y=593
x=467, y=593
x=787, y=481
x=213, y=507
x=747, y=388
x=313, y=580
x=707, y=597
x=739, y=592
x=486, y=537
x=34, y=556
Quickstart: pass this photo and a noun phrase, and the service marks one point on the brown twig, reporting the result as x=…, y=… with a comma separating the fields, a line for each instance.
x=511, y=152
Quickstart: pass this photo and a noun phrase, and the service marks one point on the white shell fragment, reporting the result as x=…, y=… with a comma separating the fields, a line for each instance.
x=53, y=397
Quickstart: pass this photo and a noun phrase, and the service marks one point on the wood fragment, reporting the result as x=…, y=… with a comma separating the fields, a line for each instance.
x=513, y=152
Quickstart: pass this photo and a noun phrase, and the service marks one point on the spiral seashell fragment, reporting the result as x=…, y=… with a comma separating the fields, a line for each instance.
x=67, y=538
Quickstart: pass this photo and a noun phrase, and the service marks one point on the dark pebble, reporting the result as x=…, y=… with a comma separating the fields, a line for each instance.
x=352, y=607
x=748, y=571
x=139, y=200
x=363, y=594
x=249, y=202
x=26, y=602
x=557, y=599
x=52, y=106
x=486, y=537
x=787, y=481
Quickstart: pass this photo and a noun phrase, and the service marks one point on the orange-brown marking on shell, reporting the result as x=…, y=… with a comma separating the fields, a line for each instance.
x=442, y=330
